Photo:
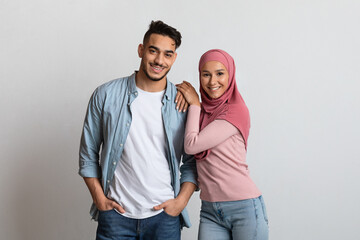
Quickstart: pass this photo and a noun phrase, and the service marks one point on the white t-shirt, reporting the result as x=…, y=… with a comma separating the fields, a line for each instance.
x=142, y=178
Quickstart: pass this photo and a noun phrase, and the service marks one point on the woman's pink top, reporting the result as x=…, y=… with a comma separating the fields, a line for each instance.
x=224, y=174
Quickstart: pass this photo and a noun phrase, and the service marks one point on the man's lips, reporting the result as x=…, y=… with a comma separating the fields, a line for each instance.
x=156, y=68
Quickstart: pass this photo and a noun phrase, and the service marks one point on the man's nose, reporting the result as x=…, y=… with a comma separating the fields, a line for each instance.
x=159, y=59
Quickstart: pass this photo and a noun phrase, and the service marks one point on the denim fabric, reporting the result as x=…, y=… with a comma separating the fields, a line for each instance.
x=236, y=220
x=112, y=225
x=106, y=126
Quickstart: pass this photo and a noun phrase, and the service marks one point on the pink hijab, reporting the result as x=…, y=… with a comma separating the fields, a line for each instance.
x=230, y=106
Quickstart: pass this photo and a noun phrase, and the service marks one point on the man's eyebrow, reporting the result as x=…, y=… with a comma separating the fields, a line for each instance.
x=157, y=49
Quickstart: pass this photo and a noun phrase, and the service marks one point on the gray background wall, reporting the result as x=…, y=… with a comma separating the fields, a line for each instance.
x=297, y=68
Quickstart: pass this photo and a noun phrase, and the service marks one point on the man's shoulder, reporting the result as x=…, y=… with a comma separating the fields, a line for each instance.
x=171, y=93
x=113, y=85
x=171, y=90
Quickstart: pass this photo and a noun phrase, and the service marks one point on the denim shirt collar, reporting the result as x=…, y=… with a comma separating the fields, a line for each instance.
x=133, y=89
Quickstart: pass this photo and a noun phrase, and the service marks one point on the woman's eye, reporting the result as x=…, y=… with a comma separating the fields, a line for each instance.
x=220, y=73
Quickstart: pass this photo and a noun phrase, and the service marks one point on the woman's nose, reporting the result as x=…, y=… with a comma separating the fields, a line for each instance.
x=212, y=80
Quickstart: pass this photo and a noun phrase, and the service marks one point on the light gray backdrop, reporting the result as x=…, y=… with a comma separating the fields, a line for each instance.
x=297, y=68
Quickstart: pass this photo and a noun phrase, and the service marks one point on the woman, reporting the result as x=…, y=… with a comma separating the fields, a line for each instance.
x=216, y=133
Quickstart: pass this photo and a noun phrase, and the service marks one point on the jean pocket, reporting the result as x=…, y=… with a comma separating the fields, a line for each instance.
x=264, y=209
x=106, y=211
x=170, y=215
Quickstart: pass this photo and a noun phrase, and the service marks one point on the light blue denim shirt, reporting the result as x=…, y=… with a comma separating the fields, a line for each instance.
x=106, y=127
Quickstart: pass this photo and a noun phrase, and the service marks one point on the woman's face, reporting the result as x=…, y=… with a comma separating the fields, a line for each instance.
x=214, y=79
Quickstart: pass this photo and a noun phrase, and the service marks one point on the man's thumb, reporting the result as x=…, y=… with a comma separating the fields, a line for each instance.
x=158, y=207
x=119, y=208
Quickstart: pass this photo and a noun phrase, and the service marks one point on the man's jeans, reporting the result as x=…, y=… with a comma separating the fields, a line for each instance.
x=112, y=225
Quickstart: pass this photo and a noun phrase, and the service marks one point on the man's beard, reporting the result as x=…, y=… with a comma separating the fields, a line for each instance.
x=154, y=79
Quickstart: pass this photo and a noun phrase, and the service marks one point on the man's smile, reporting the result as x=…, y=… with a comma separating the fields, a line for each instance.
x=156, y=68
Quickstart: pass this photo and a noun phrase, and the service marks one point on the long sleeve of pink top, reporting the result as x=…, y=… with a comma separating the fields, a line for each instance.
x=224, y=174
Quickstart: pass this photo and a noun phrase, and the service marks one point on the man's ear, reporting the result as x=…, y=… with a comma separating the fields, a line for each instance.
x=141, y=50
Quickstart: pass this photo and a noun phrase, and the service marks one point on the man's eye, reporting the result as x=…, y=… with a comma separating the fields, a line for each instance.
x=168, y=55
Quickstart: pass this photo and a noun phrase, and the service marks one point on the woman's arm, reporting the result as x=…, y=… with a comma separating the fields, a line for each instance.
x=212, y=135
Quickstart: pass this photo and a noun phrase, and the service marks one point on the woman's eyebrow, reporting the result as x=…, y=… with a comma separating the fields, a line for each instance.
x=218, y=70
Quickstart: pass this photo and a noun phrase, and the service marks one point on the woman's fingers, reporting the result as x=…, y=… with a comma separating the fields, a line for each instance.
x=179, y=100
x=178, y=95
x=186, y=106
x=183, y=87
x=182, y=105
x=189, y=94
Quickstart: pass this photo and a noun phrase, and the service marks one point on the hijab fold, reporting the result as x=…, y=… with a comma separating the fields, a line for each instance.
x=230, y=106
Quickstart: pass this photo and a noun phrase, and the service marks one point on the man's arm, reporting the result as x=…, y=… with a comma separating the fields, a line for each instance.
x=91, y=139
x=101, y=201
x=90, y=144
x=174, y=206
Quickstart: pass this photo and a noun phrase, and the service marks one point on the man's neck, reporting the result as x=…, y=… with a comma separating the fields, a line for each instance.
x=148, y=85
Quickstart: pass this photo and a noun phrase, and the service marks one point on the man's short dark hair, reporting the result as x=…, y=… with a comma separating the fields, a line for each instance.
x=158, y=27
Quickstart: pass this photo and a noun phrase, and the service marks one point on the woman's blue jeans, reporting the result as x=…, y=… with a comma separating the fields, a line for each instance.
x=236, y=220
x=112, y=225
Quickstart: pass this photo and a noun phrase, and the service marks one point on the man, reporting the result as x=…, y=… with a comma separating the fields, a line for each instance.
x=135, y=183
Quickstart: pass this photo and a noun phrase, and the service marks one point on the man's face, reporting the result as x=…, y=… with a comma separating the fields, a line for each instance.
x=157, y=56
